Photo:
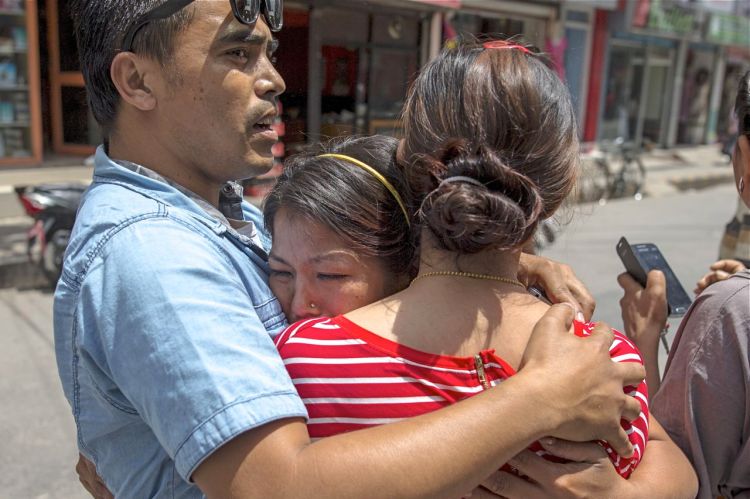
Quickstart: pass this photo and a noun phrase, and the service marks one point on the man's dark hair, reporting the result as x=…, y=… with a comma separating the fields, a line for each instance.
x=100, y=26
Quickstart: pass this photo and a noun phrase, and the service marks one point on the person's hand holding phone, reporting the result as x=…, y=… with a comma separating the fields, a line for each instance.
x=644, y=316
x=640, y=259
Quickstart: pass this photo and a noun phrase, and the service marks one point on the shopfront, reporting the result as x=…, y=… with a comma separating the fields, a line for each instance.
x=637, y=95
x=347, y=67
x=658, y=81
x=20, y=113
x=732, y=34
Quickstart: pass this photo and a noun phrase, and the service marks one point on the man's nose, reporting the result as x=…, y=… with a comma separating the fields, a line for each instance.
x=269, y=81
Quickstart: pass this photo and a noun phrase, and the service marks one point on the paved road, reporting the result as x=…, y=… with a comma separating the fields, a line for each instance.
x=687, y=227
x=36, y=428
x=37, y=433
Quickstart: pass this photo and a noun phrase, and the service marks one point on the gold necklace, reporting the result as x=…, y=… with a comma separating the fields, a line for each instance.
x=471, y=275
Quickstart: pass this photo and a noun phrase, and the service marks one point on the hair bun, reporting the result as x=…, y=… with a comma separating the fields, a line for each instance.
x=502, y=213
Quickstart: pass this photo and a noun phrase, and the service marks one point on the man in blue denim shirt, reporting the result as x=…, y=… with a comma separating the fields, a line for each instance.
x=164, y=322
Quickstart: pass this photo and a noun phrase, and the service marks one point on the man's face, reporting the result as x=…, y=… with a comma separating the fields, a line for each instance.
x=219, y=96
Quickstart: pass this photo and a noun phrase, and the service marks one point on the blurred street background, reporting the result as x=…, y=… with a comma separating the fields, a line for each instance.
x=652, y=81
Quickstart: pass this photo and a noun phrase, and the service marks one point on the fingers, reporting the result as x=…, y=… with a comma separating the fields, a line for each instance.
x=632, y=409
x=730, y=266
x=558, y=318
x=620, y=442
x=579, y=452
x=531, y=465
x=90, y=480
x=602, y=333
x=559, y=283
x=631, y=374
x=509, y=486
x=720, y=270
x=628, y=283
x=575, y=293
x=710, y=278
x=656, y=282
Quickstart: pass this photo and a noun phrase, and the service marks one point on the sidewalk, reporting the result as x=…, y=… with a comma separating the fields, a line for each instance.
x=683, y=168
x=669, y=171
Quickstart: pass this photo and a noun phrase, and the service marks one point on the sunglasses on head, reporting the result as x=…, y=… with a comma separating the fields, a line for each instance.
x=245, y=11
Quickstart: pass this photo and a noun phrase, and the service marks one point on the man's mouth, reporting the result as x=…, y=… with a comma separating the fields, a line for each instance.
x=264, y=123
x=265, y=126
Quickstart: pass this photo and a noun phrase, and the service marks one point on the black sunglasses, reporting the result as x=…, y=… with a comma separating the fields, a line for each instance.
x=246, y=12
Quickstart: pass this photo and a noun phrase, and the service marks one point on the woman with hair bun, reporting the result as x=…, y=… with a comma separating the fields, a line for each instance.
x=490, y=150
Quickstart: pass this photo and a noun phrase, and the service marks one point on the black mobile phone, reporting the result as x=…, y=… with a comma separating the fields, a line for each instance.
x=639, y=259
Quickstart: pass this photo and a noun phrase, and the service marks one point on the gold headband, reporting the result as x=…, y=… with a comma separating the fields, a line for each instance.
x=375, y=174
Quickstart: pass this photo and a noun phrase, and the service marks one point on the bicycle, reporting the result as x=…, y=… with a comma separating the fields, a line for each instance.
x=611, y=170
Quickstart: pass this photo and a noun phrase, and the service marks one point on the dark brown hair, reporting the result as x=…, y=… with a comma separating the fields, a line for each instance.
x=347, y=199
x=100, y=27
x=742, y=105
x=500, y=116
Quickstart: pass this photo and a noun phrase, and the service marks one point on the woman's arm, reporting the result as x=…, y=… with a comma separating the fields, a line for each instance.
x=644, y=315
x=663, y=472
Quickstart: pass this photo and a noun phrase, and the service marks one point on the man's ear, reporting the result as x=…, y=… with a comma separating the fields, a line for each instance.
x=128, y=72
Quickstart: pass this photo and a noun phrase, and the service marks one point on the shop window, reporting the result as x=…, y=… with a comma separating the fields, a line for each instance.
x=340, y=74
x=364, y=77
x=387, y=94
x=622, y=93
x=293, y=65
x=73, y=129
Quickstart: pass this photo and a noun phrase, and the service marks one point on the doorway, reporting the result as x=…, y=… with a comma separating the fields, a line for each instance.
x=74, y=130
x=637, y=94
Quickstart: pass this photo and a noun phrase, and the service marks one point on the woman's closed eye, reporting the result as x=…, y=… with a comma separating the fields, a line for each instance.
x=331, y=277
x=281, y=274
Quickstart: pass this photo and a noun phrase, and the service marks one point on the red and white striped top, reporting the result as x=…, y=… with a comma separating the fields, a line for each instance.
x=350, y=378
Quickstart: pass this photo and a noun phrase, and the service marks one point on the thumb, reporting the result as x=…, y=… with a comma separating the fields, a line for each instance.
x=579, y=452
x=656, y=284
x=557, y=320
x=559, y=317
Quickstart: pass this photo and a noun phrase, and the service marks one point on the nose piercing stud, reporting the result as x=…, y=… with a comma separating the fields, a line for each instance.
x=312, y=305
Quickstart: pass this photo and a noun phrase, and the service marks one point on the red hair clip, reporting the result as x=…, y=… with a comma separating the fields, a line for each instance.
x=504, y=44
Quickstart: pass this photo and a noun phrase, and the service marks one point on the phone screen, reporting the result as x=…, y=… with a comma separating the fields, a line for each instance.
x=650, y=258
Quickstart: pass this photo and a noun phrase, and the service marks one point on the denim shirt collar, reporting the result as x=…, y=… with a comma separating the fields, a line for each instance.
x=154, y=185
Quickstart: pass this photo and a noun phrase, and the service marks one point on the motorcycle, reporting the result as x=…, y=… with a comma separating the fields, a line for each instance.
x=53, y=207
